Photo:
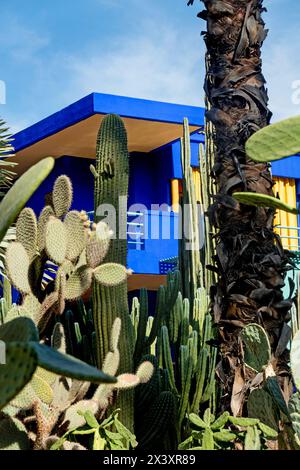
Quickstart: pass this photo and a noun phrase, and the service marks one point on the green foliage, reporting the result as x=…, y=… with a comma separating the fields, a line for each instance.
x=58, y=403
x=227, y=433
x=180, y=333
x=157, y=421
x=13, y=435
x=257, y=350
x=255, y=199
x=274, y=142
x=294, y=410
x=24, y=354
x=21, y=191
x=261, y=405
x=104, y=393
x=110, y=434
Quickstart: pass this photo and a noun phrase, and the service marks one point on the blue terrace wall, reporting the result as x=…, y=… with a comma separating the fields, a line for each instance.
x=83, y=183
x=149, y=183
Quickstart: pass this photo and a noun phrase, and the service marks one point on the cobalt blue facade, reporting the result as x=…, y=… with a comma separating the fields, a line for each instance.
x=151, y=172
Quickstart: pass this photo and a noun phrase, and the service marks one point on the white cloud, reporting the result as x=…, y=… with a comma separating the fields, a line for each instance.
x=159, y=60
x=157, y=64
x=282, y=69
x=22, y=43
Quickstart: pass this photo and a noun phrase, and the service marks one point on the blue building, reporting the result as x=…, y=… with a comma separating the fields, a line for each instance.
x=154, y=131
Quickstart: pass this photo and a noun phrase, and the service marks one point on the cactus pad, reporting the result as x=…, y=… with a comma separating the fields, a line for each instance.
x=13, y=435
x=62, y=195
x=257, y=350
x=75, y=420
x=96, y=251
x=21, y=363
x=294, y=409
x=21, y=191
x=256, y=199
x=26, y=231
x=56, y=240
x=58, y=339
x=78, y=283
x=68, y=366
x=17, y=263
x=44, y=217
x=76, y=235
x=260, y=405
x=19, y=329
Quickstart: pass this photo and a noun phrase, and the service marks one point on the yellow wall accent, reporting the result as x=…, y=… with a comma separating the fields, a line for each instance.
x=175, y=189
x=175, y=194
x=197, y=183
x=286, y=190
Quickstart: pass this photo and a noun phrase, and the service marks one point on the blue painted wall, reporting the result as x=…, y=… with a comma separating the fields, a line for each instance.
x=150, y=176
x=196, y=139
x=149, y=183
x=158, y=247
x=78, y=170
x=287, y=167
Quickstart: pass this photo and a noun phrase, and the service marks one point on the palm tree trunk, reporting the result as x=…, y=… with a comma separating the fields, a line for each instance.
x=249, y=257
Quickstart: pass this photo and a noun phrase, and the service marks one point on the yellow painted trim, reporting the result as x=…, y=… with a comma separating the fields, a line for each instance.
x=197, y=183
x=175, y=194
x=286, y=190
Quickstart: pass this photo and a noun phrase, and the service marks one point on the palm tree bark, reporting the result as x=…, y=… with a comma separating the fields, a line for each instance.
x=249, y=257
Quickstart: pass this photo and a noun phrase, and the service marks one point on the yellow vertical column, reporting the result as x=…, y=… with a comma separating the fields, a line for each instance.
x=175, y=194
x=283, y=216
x=291, y=199
x=197, y=183
x=286, y=190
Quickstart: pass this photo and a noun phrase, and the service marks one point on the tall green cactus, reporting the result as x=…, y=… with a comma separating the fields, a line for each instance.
x=182, y=328
x=111, y=187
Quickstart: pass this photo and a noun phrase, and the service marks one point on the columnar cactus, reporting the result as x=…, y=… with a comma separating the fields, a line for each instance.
x=182, y=331
x=111, y=187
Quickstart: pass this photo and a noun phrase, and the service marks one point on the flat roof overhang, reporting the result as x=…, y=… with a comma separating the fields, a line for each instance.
x=73, y=130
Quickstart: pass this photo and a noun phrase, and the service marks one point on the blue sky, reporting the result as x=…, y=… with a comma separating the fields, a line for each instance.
x=54, y=52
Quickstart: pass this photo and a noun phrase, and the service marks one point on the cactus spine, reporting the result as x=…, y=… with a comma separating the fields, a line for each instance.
x=111, y=187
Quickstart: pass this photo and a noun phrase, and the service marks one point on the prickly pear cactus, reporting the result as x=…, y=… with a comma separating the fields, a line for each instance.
x=263, y=200
x=55, y=257
x=13, y=435
x=261, y=405
x=294, y=409
x=23, y=354
x=257, y=350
